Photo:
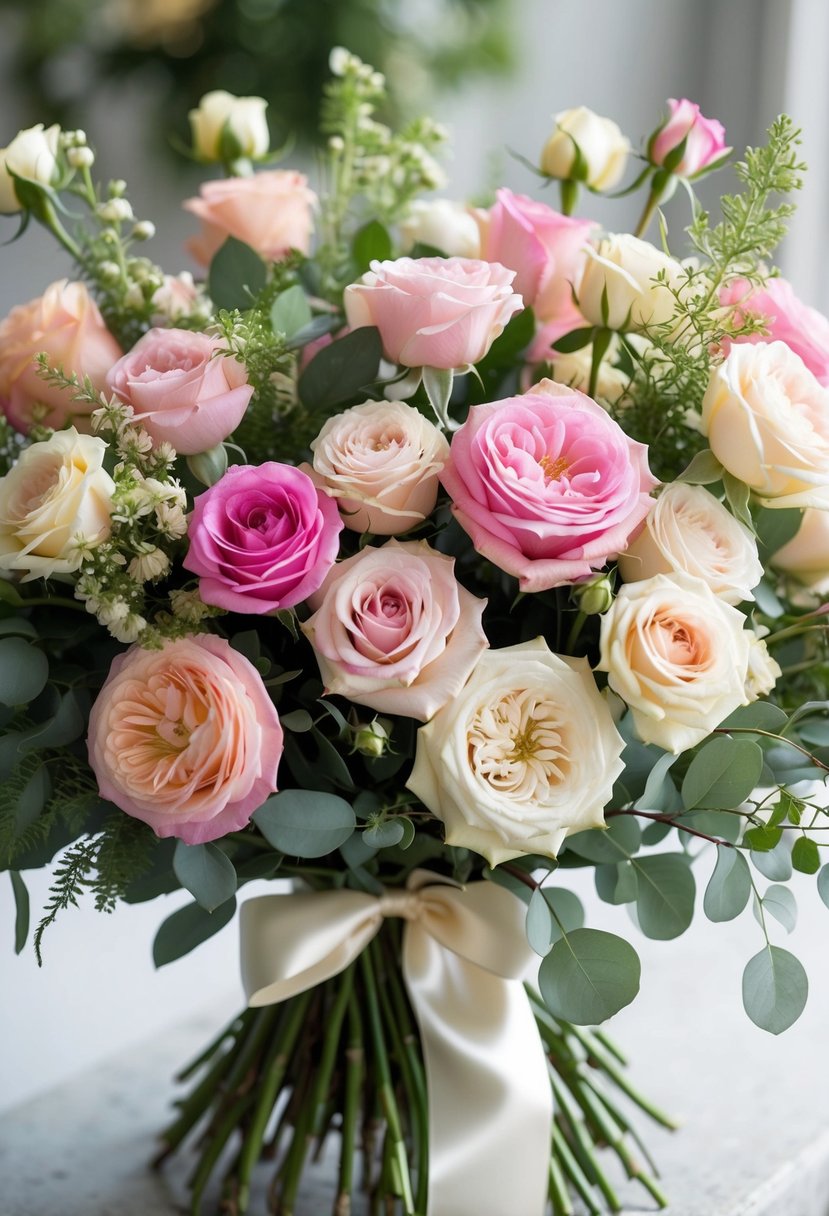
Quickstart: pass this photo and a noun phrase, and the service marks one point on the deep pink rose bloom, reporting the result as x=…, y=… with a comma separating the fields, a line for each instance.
x=262, y=538
x=185, y=738
x=789, y=320
x=273, y=212
x=182, y=392
x=434, y=312
x=705, y=139
x=547, y=485
x=546, y=251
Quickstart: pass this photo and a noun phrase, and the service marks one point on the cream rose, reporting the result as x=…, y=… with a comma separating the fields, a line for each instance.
x=677, y=655
x=442, y=224
x=31, y=154
x=381, y=461
x=763, y=671
x=587, y=147
x=688, y=530
x=524, y=755
x=805, y=558
x=573, y=369
x=619, y=286
x=226, y=127
x=767, y=422
x=57, y=493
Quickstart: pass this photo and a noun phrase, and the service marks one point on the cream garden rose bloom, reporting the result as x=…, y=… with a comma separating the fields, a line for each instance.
x=763, y=670
x=443, y=224
x=619, y=287
x=805, y=558
x=57, y=493
x=677, y=656
x=689, y=530
x=596, y=141
x=222, y=117
x=524, y=755
x=767, y=422
x=31, y=154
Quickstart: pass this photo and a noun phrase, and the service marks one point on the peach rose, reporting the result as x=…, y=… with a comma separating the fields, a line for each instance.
x=270, y=211
x=65, y=324
x=394, y=630
x=185, y=738
x=381, y=461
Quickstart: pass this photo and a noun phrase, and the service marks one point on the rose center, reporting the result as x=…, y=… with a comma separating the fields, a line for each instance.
x=554, y=467
x=519, y=748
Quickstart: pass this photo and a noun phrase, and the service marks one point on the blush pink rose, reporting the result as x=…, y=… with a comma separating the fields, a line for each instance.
x=547, y=485
x=546, y=251
x=185, y=738
x=434, y=312
x=803, y=329
x=182, y=392
x=272, y=212
x=394, y=630
x=262, y=538
x=66, y=324
x=704, y=139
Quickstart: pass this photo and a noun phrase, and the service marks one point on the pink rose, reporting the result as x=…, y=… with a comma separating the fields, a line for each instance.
x=393, y=629
x=66, y=324
x=704, y=139
x=547, y=485
x=272, y=212
x=789, y=320
x=181, y=391
x=185, y=738
x=545, y=249
x=262, y=538
x=434, y=312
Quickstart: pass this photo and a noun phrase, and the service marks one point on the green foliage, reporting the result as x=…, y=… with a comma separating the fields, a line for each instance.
x=723, y=773
x=775, y=989
x=188, y=928
x=665, y=899
x=588, y=976
x=342, y=371
x=237, y=276
x=305, y=822
x=206, y=872
x=729, y=888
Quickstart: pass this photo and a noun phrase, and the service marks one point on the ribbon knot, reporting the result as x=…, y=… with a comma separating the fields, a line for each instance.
x=400, y=902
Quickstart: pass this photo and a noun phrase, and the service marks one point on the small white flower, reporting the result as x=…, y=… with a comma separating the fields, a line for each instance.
x=144, y=230
x=130, y=630
x=115, y=210
x=171, y=520
x=80, y=158
x=113, y=612
x=151, y=564
x=340, y=61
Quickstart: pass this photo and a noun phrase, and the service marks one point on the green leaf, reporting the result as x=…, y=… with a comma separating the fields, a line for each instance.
x=577, y=339
x=621, y=839
x=762, y=839
x=775, y=988
x=437, y=383
x=738, y=494
x=761, y=715
x=780, y=903
x=237, y=274
x=33, y=797
x=67, y=724
x=703, y=470
x=18, y=625
x=659, y=790
x=407, y=839
x=588, y=976
x=665, y=899
x=384, y=835
x=305, y=823
x=776, y=527
x=371, y=243
x=729, y=887
x=517, y=335
x=806, y=855
x=24, y=671
x=722, y=774
x=338, y=372
x=567, y=909
x=206, y=872
x=776, y=865
x=616, y=884
x=539, y=923
x=188, y=928
x=298, y=720
x=290, y=312
x=21, y=904
x=823, y=884
x=316, y=328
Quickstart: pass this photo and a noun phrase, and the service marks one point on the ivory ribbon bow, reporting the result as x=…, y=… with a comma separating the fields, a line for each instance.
x=464, y=955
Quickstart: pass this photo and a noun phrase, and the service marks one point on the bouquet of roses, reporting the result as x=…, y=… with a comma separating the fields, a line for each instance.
x=417, y=561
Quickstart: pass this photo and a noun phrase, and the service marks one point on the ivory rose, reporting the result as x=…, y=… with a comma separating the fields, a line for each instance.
x=271, y=211
x=763, y=671
x=547, y=485
x=394, y=630
x=573, y=369
x=619, y=287
x=185, y=738
x=182, y=392
x=677, y=656
x=805, y=558
x=381, y=461
x=434, y=312
x=32, y=154
x=226, y=127
x=443, y=224
x=66, y=325
x=262, y=538
x=704, y=139
x=57, y=493
x=787, y=319
x=767, y=422
x=689, y=530
x=586, y=147
x=523, y=756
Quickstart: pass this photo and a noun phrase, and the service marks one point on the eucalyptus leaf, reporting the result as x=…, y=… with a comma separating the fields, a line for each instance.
x=780, y=903
x=729, y=887
x=305, y=823
x=24, y=670
x=588, y=976
x=384, y=835
x=823, y=884
x=723, y=773
x=775, y=989
x=616, y=884
x=539, y=923
x=290, y=312
x=339, y=371
x=188, y=928
x=298, y=720
x=760, y=714
x=21, y=905
x=237, y=274
x=206, y=872
x=659, y=792
x=665, y=896
x=805, y=855
x=567, y=910
x=776, y=865
x=621, y=839
x=65, y=726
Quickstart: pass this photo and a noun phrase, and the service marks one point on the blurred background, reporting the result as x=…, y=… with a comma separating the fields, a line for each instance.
x=494, y=71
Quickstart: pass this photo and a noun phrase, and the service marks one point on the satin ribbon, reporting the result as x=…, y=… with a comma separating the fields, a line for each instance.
x=464, y=956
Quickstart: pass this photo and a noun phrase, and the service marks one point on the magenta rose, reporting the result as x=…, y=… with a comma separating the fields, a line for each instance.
x=185, y=738
x=546, y=251
x=434, y=312
x=704, y=139
x=180, y=390
x=787, y=319
x=394, y=630
x=547, y=485
x=273, y=212
x=262, y=538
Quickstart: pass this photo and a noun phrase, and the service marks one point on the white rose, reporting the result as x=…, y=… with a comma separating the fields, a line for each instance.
x=56, y=494
x=677, y=655
x=619, y=287
x=243, y=118
x=767, y=421
x=763, y=671
x=689, y=530
x=443, y=224
x=573, y=369
x=598, y=142
x=31, y=154
x=805, y=558
x=525, y=754
x=381, y=460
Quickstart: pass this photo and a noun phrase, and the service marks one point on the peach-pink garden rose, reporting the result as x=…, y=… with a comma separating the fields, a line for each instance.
x=787, y=319
x=185, y=738
x=66, y=324
x=434, y=312
x=270, y=211
x=393, y=629
x=182, y=391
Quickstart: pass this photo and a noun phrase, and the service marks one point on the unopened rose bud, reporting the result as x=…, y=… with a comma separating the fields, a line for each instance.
x=594, y=597
x=372, y=738
x=80, y=158
x=32, y=155
x=227, y=128
x=585, y=147
x=115, y=211
x=209, y=467
x=687, y=143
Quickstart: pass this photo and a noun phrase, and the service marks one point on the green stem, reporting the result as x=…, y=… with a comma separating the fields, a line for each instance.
x=233, y=1029
x=574, y=1172
x=214, y=1144
x=608, y=1065
x=331, y=1044
x=559, y=1197
x=569, y=191
x=651, y=203
x=582, y=1140
x=51, y=601
x=602, y=338
x=354, y=1068
x=575, y=630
